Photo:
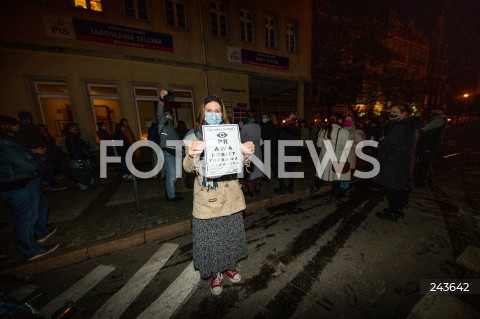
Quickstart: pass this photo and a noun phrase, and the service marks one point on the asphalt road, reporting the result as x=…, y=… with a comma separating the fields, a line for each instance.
x=307, y=259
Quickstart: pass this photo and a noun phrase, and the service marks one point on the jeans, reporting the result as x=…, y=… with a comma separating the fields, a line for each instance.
x=85, y=186
x=29, y=208
x=169, y=165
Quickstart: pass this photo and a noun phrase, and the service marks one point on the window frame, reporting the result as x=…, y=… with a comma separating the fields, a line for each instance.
x=291, y=34
x=271, y=30
x=175, y=13
x=244, y=28
x=88, y=5
x=136, y=10
x=219, y=14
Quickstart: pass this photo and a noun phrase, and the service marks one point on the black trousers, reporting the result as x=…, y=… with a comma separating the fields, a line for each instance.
x=289, y=167
x=425, y=158
x=397, y=199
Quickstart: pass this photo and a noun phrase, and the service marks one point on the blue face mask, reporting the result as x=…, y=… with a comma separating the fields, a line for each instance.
x=213, y=118
x=264, y=121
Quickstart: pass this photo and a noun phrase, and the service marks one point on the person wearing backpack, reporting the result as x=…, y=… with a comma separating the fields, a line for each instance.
x=167, y=132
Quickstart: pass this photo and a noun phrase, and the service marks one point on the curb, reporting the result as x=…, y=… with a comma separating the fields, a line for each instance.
x=85, y=252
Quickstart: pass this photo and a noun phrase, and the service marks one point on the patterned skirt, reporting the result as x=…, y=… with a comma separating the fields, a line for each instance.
x=218, y=243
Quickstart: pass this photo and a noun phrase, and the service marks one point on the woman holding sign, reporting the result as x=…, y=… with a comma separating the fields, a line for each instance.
x=217, y=226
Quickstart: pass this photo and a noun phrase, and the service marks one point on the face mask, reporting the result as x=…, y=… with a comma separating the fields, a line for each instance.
x=393, y=117
x=123, y=129
x=347, y=123
x=264, y=121
x=168, y=116
x=213, y=118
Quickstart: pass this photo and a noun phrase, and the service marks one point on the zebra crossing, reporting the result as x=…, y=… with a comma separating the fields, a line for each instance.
x=163, y=307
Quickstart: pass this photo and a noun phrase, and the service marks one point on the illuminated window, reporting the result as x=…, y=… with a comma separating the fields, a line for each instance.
x=291, y=38
x=218, y=18
x=94, y=5
x=55, y=105
x=246, y=26
x=136, y=9
x=270, y=32
x=175, y=12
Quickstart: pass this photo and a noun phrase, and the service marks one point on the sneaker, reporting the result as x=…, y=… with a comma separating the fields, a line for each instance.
x=57, y=188
x=48, y=249
x=233, y=275
x=51, y=231
x=216, y=284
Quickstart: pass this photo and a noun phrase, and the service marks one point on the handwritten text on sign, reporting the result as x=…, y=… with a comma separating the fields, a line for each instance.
x=222, y=150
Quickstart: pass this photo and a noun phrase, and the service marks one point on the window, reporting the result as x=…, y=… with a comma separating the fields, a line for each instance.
x=218, y=18
x=104, y=101
x=270, y=32
x=136, y=9
x=175, y=11
x=246, y=26
x=291, y=38
x=94, y=5
x=55, y=105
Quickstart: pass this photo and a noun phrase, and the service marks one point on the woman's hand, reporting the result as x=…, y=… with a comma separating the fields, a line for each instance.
x=196, y=148
x=248, y=148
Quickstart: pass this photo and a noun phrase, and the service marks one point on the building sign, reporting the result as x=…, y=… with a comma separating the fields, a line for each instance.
x=58, y=26
x=257, y=58
x=222, y=150
x=115, y=34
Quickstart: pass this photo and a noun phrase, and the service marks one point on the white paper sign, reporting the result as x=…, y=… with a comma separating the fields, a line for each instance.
x=222, y=150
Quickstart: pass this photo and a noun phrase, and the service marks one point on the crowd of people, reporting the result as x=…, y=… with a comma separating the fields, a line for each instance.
x=29, y=155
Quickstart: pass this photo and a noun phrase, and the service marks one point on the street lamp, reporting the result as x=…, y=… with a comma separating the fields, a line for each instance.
x=465, y=95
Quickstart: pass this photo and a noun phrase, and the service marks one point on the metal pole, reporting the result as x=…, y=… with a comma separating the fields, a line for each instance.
x=137, y=195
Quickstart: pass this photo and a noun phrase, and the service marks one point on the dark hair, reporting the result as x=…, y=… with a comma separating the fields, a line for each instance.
x=327, y=130
x=101, y=123
x=24, y=115
x=66, y=129
x=6, y=125
x=201, y=111
x=118, y=127
x=122, y=121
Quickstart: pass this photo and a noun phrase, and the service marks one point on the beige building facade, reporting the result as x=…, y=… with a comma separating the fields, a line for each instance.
x=94, y=60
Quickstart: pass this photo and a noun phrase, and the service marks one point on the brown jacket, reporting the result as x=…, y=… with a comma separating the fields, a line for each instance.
x=225, y=199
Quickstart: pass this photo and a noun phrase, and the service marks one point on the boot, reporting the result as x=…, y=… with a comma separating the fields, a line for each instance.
x=388, y=214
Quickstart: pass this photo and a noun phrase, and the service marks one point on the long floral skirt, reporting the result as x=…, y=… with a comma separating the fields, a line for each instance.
x=218, y=243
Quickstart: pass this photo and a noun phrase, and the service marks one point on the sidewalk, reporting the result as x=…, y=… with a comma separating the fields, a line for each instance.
x=100, y=221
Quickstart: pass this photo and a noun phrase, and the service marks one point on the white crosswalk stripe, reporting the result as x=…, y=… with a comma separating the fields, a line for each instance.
x=79, y=289
x=174, y=296
x=119, y=302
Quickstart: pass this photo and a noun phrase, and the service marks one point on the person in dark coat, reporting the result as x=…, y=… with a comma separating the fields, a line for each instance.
x=79, y=150
x=430, y=140
x=396, y=157
x=122, y=150
x=289, y=131
x=269, y=132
